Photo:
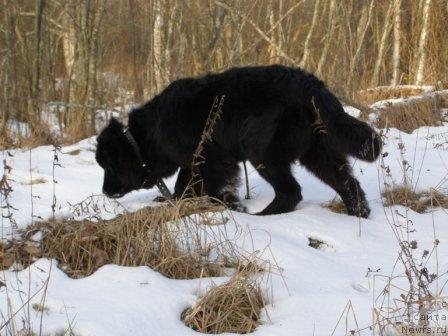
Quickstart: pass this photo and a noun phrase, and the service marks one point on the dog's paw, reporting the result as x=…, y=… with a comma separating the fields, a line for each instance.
x=237, y=206
x=360, y=210
x=160, y=199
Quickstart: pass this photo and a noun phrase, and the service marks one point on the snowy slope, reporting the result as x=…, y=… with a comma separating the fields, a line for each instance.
x=319, y=283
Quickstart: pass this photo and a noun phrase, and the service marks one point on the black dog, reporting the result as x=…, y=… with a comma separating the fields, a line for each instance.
x=272, y=116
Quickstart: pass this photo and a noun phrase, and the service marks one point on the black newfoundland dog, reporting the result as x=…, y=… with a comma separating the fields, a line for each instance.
x=272, y=116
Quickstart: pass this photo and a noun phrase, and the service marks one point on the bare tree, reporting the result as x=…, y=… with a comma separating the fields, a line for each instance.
x=363, y=25
x=306, y=47
x=58, y=50
x=382, y=47
x=421, y=59
x=136, y=51
x=328, y=37
x=81, y=22
x=161, y=71
x=40, y=4
x=396, y=73
x=218, y=23
x=8, y=70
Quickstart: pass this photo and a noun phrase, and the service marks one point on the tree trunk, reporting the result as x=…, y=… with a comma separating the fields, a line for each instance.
x=382, y=46
x=233, y=35
x=138, y=93
x=81, y=23
x=218, y=22
x=363, y=25
x=38, y=64
x=93, y=63
x=306, y=47
x=396, y=73
x=328, y=39
x=421, y=62
x=160, y=78
x=9, y=81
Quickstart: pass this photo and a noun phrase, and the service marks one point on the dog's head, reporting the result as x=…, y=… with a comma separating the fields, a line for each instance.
x=123, y=171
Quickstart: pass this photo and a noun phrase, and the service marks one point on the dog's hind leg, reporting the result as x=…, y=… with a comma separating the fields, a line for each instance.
x=332, y=168
x=287, y=190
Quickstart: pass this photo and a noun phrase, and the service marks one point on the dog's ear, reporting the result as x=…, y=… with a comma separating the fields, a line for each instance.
x=114, y=124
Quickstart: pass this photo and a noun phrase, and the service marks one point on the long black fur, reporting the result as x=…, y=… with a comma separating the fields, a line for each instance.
x=272, y=116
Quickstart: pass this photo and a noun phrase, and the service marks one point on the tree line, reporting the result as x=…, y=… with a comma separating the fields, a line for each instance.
x=93, y=53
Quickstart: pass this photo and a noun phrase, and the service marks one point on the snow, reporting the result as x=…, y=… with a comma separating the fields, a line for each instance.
x=423, y=88
x=353, y=111
x=315, y=286
x=409, y=100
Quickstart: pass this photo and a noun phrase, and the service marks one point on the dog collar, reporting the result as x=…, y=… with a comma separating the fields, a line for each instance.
x=159, y=182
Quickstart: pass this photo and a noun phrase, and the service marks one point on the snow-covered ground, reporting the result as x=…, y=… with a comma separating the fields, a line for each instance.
x=316, y=286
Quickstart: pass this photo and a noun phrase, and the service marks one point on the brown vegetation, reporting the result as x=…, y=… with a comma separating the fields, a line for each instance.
x=66, y=54
x=169, y=239
x=336, y=205
x=417, y=201
x=408, y=115
x=233, y=307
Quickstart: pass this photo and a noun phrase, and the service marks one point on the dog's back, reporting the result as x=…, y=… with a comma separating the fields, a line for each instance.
x=272, y=116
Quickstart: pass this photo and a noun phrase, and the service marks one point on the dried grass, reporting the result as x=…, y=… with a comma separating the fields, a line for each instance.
x=316, y=243
x=410, y=115
x=6, y=140
x=173, y=239
x=417, y=201
x=233, y=307
x=335, y=205
x=39, y=135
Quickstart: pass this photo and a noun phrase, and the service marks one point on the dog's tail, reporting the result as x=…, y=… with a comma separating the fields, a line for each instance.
x=344, y=132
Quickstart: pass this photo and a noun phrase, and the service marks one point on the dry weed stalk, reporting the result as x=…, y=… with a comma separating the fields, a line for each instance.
x=233, y=307
x=176, y=239
x=411, y=301
x=411, y=309
x=206, y=136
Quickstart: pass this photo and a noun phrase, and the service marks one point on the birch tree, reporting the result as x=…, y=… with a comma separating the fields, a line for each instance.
x=396, y=72
x=161, y=74
x=329, y=37
x=382, y=46
x=306, y=46
x=81, y=22
x=136, y=51
x=363, y=25
x=421, y=52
